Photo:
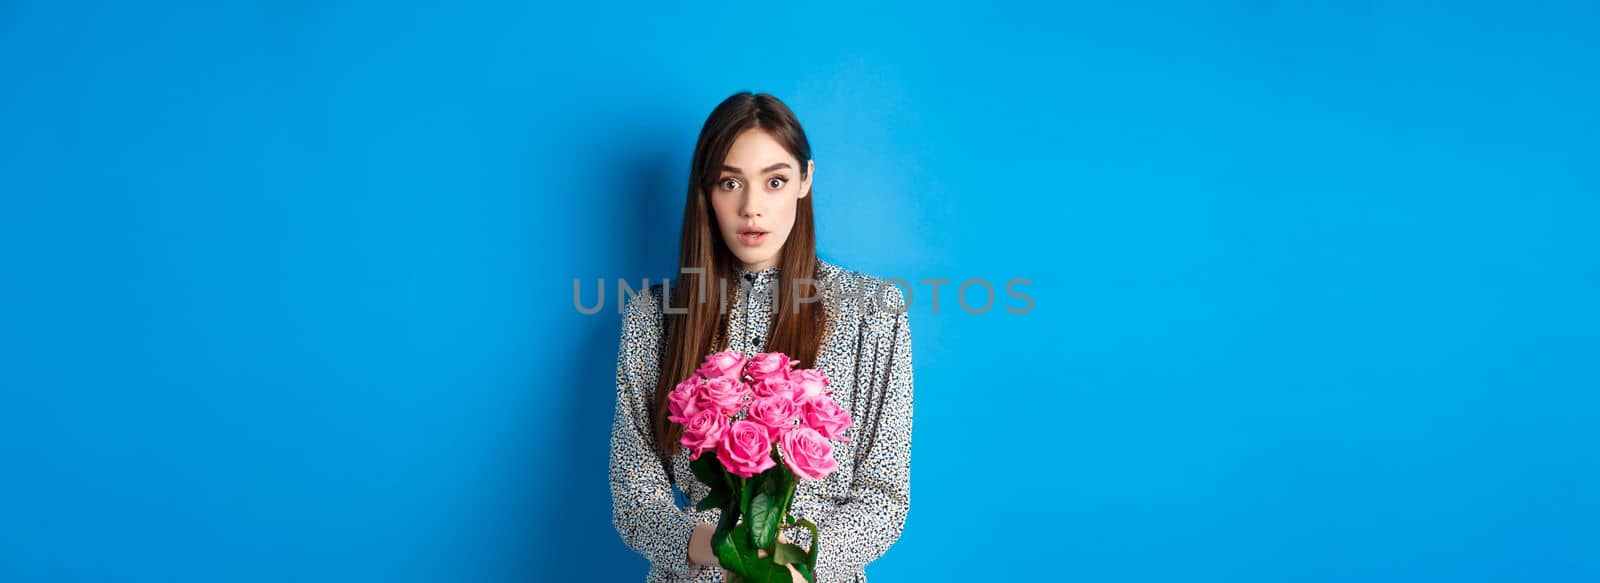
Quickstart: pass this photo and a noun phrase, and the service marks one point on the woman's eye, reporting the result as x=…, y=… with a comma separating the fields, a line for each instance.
x=776, y=183
x=730, y=184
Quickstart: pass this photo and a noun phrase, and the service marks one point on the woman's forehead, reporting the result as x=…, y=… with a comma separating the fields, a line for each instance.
x=754, y=150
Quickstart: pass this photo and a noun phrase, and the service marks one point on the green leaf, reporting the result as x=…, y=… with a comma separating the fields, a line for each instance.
x=816, y=542
x=789, y=554
x=733, y=550
x=781, y=483
x=790, y=480
x=806, y=572
x=709, y=471
x=769, y=506
x=718, y=498
x=723, y=536
x=763, y=518
x=742, y=561
x=763, y=570
x=730, y=519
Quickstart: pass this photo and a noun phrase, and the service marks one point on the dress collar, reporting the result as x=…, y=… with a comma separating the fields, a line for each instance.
x=758, y=276
x=824, y=271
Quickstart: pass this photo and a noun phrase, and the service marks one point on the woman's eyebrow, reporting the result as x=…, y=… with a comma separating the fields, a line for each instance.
x=736, y=170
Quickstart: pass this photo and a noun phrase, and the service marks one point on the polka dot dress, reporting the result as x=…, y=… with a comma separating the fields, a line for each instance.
x=860, y=509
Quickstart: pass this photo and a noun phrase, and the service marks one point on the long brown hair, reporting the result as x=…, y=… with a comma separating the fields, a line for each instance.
x=798, y=329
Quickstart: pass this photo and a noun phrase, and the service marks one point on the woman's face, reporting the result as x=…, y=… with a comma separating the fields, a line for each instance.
x=755, y=197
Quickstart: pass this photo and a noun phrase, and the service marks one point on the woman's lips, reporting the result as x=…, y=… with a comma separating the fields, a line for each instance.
x=752, y=238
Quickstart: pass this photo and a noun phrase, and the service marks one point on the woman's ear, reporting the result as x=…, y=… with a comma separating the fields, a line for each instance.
x=805, y=183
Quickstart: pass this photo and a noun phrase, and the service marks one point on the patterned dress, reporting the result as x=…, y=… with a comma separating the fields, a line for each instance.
x=859, y=510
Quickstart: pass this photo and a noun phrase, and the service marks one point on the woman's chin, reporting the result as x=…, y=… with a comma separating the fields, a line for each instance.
x=756, y=256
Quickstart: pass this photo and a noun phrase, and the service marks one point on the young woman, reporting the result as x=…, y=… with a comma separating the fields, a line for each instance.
x=751, y=281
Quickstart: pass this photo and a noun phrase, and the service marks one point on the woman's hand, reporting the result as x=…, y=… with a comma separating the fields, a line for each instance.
x=700, y=552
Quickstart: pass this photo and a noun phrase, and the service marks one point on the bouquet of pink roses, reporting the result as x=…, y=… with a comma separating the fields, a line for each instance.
x=770, y=425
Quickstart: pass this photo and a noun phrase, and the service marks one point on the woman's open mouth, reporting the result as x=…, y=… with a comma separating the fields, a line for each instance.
x=752, y=237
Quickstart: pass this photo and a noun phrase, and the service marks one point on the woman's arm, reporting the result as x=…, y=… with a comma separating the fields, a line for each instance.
x=862, y=529
x=643, y=508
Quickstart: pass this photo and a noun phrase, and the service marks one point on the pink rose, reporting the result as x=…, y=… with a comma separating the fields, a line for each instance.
x=773, y=385
x=704, y=431
x=825, y=415
x=777, y=412
x=810, y=382
x=725, y=394
x=746, y=448
x=727, y=363
x=684, y=401
x=769, y=364
x=807, y=453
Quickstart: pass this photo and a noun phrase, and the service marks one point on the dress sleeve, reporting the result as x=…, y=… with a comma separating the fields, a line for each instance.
x=643, y=507
x=862, y=528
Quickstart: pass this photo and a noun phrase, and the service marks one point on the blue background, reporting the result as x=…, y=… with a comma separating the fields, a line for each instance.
x=287, y=288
